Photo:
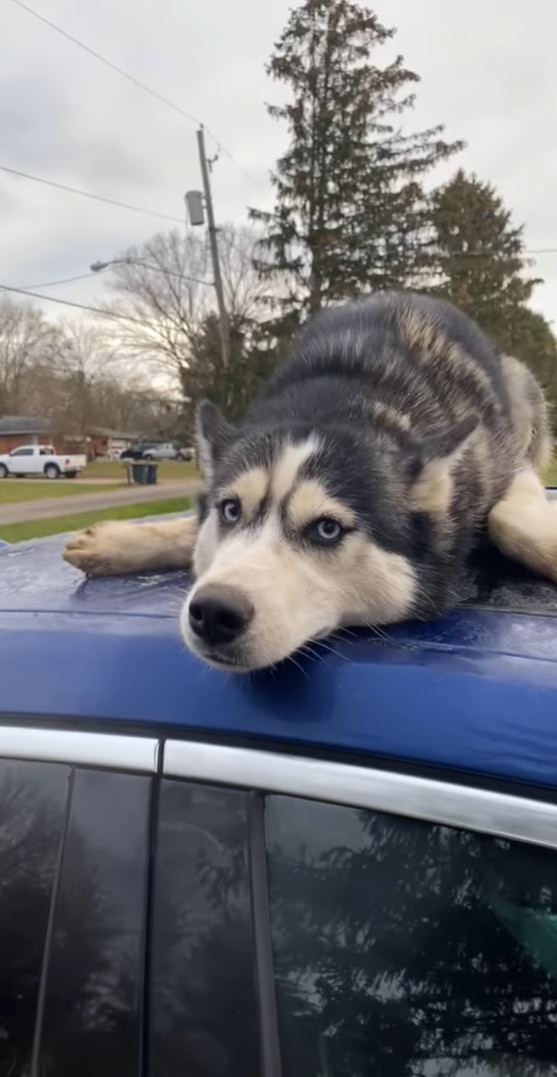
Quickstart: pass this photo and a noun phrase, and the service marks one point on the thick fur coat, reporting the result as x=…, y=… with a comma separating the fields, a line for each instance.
x=356, y=486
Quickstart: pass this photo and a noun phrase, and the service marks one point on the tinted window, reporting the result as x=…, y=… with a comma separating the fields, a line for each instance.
x=32, y=807
x=203, y=1007
x=22, y=452
x=92, y=1011
x=409, y=950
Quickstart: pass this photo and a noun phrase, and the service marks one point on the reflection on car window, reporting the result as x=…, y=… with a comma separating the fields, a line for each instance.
x=404, y=949
x=91, y=1020
x=32, y=807
x=203, y=1014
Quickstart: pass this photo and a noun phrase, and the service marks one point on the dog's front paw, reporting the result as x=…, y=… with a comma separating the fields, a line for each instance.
x=102, y=550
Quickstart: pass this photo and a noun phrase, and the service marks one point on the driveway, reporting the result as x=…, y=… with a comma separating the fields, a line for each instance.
x=48, y=508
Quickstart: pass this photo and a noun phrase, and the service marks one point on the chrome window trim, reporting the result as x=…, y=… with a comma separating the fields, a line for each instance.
x=465, y=807
x=80, y=748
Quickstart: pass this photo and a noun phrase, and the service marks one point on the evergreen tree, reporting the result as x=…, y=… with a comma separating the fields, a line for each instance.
x=253, y=354
x=483, y=269
x=350, y=214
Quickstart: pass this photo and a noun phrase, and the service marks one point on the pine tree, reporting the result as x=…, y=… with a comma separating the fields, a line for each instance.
x=253, y=354
x=480, y=254
x=482, y=268
x=350, y=214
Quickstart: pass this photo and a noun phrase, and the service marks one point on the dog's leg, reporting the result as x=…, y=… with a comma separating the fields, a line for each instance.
x=523, y=525
x=119, y=549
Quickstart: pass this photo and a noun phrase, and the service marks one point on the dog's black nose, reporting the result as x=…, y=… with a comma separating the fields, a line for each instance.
x=219, y=615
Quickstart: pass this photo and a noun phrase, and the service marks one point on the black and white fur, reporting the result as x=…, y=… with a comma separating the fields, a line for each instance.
x=356, y=486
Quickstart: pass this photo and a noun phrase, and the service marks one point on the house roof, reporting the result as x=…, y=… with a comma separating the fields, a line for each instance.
x=106, y=432
x=22, y=424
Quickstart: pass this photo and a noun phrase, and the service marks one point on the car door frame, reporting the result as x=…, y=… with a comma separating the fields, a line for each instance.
x=260, y=772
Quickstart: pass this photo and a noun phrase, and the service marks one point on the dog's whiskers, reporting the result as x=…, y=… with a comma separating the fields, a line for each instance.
x=326, y=646
x=308, y=652
x=298, y=666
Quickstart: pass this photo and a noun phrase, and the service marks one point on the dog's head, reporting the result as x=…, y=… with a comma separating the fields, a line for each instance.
x=303, y=531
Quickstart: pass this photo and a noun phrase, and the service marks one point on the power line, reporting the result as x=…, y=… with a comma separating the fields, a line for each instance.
x=139, y=84
x=65, y=280
x=114, y=263
x=222, y=149
x=87, y=194
x=78, y=306
x=108, y=63
x=95, y=273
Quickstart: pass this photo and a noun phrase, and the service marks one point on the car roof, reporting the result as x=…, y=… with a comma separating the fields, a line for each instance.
x=474, y=691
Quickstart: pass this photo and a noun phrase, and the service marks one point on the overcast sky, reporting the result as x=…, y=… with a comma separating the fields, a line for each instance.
x=488, y=73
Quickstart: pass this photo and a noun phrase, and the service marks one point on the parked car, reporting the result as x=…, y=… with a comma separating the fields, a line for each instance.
x=168, y=451
x=346, y=865
x=135, y=452
x=40, y=460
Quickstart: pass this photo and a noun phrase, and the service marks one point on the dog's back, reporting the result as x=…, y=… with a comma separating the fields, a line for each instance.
x=412, y=365
x=412, y=351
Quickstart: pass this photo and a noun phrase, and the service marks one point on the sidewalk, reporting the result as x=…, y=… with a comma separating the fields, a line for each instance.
x=50, y=507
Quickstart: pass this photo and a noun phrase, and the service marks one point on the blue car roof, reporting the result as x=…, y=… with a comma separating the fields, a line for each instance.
x=475, y=691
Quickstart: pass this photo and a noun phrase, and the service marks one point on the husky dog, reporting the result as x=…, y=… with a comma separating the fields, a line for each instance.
x=355, y=488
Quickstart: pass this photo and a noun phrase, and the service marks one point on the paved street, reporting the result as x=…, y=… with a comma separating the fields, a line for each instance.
x=48, y=508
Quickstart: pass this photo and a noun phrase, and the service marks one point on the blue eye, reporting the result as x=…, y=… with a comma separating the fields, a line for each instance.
x=326, y=530
x=229, y=510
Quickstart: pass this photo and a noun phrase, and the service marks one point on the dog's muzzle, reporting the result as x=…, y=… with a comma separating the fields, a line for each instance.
x=218, y=616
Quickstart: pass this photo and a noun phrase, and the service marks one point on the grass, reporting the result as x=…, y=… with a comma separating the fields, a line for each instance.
x=551, y=474
x=59, y=525
x=168, y=470
x=14, y=490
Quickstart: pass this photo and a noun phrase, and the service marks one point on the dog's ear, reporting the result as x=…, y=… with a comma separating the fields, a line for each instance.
x=433, y=460
x=212, y=435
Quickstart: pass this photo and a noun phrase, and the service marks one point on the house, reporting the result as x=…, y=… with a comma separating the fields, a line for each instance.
x=108, y=443
x=18, y=430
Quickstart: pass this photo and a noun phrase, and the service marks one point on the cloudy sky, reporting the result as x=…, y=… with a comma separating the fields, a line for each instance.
x=488, y=73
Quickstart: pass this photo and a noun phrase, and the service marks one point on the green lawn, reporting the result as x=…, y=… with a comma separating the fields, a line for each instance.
x=551, y=476
x=62, y=524
x=114, y=469
x=13, y=490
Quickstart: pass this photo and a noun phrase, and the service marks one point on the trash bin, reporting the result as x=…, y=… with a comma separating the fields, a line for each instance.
x=139, y=473
x=151, y=470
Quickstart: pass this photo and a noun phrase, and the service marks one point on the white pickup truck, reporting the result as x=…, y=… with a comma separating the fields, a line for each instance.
x=40, y=460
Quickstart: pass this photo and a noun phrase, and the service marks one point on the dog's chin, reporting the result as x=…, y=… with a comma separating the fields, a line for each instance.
x=223, y=662
x=245, y=659
x=236, y=661
x=225, y=659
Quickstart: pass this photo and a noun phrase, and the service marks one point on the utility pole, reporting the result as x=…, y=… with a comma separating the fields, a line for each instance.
x=211, y=227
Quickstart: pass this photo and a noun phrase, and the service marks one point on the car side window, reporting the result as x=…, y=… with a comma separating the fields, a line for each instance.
x=32, y=812
x=203, y=1013
x=22, y=452
x=405, y=949
x=92, y=1020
